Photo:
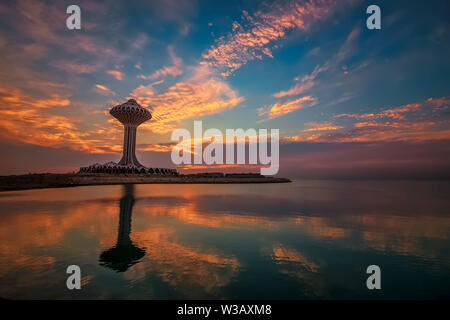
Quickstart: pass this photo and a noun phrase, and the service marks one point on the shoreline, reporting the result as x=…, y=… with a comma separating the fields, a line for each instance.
x=64, y=180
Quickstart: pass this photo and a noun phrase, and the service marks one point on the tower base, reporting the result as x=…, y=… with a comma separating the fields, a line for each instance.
x=115, y=168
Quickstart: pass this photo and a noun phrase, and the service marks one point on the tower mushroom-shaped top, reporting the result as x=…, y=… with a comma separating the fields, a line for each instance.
x=130, y=113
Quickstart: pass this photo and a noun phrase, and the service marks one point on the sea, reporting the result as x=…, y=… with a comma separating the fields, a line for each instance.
x=309, y=239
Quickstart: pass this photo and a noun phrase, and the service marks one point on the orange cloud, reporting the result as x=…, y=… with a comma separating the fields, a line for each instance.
x=34, y=121
x=394, y=113
x=249, y=42
x=200, y=95
x=15, y=97
x=373, y=131
x=117, y=74
x=155, y=147
x=104, y=89
x=324, y=126
x=387, y=125
x=397, y=113
x=281, y=108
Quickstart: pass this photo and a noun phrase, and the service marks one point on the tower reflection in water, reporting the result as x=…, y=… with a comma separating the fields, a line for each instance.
x=124, y=254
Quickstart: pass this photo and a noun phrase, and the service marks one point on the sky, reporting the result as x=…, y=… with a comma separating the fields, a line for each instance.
x=349, y=102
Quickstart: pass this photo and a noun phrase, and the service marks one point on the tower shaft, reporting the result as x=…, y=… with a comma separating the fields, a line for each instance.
x=129, y=147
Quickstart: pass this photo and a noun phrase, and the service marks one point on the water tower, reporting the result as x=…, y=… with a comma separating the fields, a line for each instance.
x=131, y=115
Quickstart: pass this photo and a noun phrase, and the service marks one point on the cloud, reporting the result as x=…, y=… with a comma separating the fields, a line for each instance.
x=31, y=30
x=116, y=74
x=156, y=147
x=255, y=38
x=143, y=92
x=104, y=89
x=324, y=126
x=397, y=113
x=415, y=122
x=56, y=121
x=75, y=67
x=412, y=132
x=13, y=98
x=175, y=12
x=173, y=70
x=307, y=82
x=281, y=108
x=439, y=103
x=33, y=121
x=199, y=95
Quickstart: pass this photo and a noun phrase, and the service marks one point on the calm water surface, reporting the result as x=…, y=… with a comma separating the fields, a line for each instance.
x=304, y=240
